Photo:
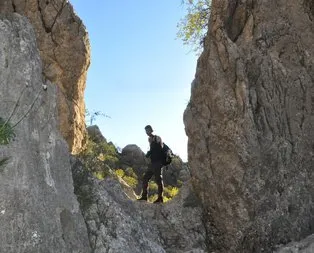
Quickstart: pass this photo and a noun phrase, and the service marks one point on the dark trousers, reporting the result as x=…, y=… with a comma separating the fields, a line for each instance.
x=155, y=169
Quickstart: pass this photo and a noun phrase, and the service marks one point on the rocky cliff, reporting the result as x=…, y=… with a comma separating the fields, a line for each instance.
x=38, y=209
x=64, y=49
x=250, y=124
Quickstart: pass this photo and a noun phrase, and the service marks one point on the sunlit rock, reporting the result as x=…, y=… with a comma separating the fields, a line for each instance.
x=250, y=125
x=65, y=52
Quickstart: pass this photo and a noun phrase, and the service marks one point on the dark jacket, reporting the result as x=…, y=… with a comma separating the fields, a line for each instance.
x=155, y=152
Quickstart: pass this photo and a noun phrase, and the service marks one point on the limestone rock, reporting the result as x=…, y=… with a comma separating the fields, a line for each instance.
x=118, y=223
x=64, y=48
x=250, y=125
x=176, y=172
x=38, y=209
x=95, y=134
x=133, y=154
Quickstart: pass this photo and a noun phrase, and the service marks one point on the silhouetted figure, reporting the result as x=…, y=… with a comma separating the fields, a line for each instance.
x=155, y=167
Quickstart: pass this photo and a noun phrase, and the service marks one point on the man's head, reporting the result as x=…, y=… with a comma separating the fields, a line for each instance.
x=149, y=130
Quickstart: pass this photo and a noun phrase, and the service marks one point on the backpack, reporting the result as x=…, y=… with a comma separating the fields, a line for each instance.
x=167, y=155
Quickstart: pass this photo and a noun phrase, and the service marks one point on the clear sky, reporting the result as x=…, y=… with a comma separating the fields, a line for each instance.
x=140, y=73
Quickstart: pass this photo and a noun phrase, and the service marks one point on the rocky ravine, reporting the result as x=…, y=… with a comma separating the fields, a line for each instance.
x=65, y=52
x=250, y=124
x=38, y=209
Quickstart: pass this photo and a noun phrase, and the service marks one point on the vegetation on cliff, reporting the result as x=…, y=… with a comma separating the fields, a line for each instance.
x=6, y=135
x=192, y=28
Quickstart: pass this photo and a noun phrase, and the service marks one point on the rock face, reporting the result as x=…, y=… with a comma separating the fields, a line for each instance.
x=117, y=222
x=305, y=246
x=38, y=209
x=176, y=172
x=250, y=124
x=64, y=49
x=95, y=134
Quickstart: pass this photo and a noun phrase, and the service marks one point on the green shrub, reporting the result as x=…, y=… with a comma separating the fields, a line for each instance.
x=99, y=158
x=170, y=191
x=111, y=159
x=166, y=199
x=131, y=181
x=99, y=175
x=6, y=135
x=153, y=187
x=130, y=172
x=152, y=198
x=125, y=175
x=119, y=172
x=6, y=132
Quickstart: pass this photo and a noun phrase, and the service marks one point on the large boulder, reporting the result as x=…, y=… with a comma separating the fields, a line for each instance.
x=39, y=211
x=65, y=52
x=250, y=124
x=133, y=156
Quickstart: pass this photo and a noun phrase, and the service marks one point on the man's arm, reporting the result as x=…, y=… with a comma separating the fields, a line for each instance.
x=149, y=152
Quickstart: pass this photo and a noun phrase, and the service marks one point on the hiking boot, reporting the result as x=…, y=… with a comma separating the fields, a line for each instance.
x=159, y=200
x=143, y=198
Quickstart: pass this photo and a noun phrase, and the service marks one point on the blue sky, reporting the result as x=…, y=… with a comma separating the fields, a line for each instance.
x=140, y=73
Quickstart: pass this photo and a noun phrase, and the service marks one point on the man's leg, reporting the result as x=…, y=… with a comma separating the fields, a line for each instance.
x=158, y=178
x=147, y=176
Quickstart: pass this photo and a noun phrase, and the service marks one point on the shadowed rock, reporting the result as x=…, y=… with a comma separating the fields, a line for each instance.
x=95, y=134
x=38, y=209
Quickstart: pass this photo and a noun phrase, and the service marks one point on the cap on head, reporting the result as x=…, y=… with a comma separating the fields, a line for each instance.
x=149, y=127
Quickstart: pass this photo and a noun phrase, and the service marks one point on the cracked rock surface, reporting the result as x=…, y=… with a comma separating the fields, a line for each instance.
x=65, y=52
x=250, y=124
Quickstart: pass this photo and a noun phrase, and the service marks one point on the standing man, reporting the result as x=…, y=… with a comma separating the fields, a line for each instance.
x=155, y=167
